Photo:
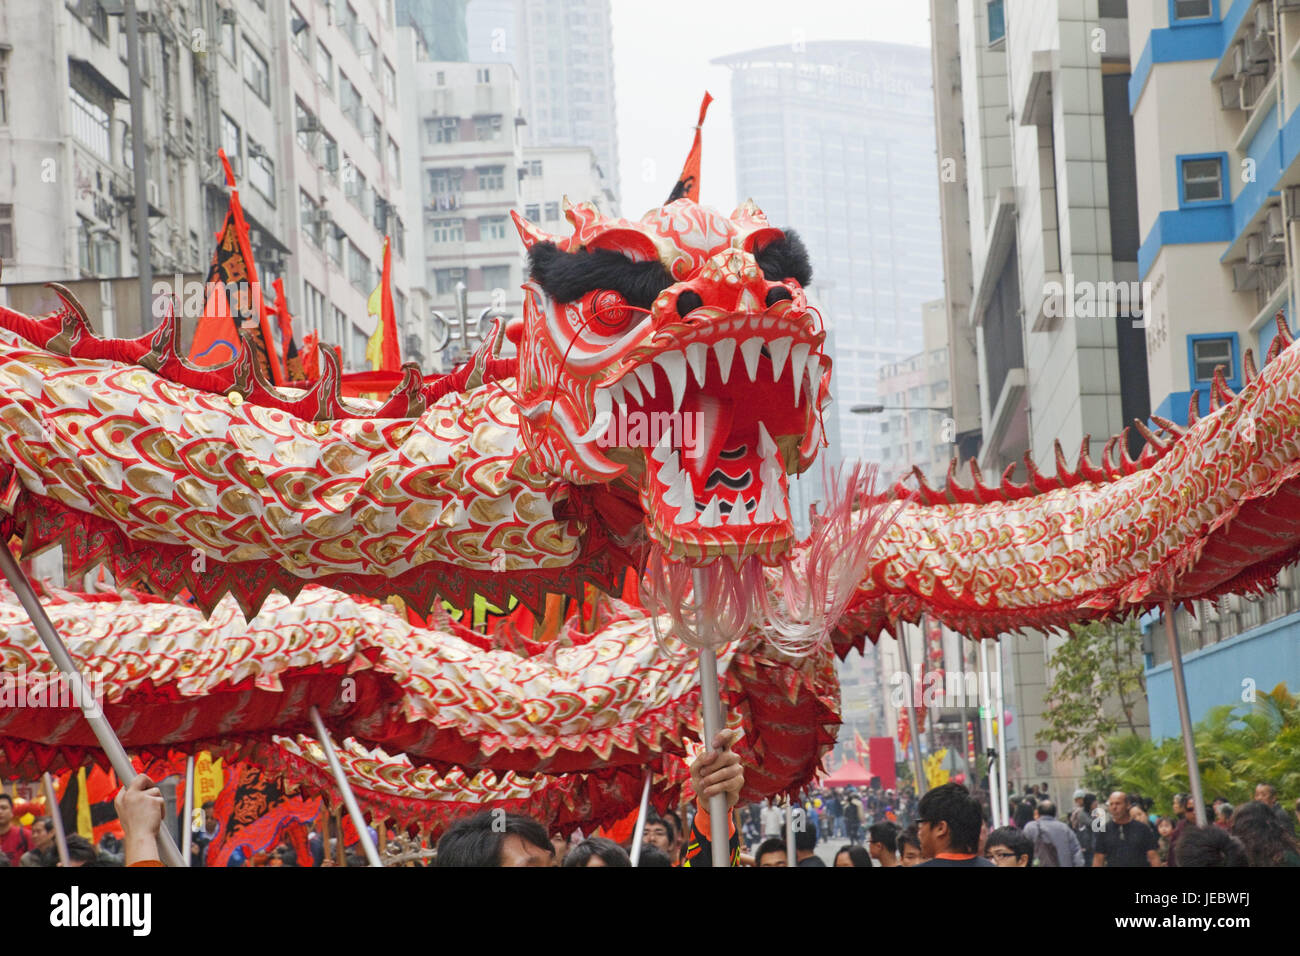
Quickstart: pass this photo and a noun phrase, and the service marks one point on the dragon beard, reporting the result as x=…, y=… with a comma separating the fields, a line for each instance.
x=794, y=604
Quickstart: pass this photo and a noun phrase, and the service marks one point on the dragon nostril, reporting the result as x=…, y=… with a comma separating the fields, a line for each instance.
x=778, y=293
x=688, y=302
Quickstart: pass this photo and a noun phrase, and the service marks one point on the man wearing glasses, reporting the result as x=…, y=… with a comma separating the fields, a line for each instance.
x=948, y=823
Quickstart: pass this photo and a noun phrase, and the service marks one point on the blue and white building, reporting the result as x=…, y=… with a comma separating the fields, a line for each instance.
x=1214, y=90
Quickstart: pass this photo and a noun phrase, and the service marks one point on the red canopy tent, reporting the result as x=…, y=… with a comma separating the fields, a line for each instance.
x=849, y=773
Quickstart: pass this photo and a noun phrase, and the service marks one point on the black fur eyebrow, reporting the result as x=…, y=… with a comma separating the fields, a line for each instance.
x=568, y=276
x=785, y=258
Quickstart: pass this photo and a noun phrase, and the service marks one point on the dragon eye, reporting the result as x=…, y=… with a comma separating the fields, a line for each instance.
x=609, y=313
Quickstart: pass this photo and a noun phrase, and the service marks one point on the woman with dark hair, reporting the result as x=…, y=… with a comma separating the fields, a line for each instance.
x=1266, y=840
x=597, y=851
x=853, y=856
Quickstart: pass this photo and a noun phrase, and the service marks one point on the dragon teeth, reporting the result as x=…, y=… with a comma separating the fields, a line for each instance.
x=697, y=355
x=646, y=375
x=739, y=516
x=663, y=449
x=686, y=496
x=726, y=351
x=798, y=360
x=674, y=366
x=712, y=516
x=766, y=447
x=615, y=392
x=748, y=302
x=779, y=348
x=764, y=513
x=750, y=350
x=631, y=388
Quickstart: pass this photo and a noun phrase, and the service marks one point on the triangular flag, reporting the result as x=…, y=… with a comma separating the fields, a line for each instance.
x=688, y=183
x=383, y=351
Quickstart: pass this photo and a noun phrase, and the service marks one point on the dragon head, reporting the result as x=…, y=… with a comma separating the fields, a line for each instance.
x=677, y=352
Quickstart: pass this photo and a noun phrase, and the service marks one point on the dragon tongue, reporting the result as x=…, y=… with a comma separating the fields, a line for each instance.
x=706, y=424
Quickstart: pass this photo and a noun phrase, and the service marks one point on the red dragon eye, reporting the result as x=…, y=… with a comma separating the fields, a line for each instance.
x=609, y=312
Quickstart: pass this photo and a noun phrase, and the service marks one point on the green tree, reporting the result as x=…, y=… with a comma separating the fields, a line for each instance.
x=1236, y=748
x=1095, y=689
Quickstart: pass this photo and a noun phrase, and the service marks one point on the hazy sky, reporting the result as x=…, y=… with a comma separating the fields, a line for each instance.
x=661, y=69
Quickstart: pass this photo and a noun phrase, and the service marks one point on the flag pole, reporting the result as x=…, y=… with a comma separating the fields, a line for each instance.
x=791, y=858
x=638, y=832
x=1000, y=738
x=1184, y=715
x=56, y=818
x=915, y=733
x=82, y=693
x=996, y=790
x=187, y=821
x=711, y=706
x=345, y=787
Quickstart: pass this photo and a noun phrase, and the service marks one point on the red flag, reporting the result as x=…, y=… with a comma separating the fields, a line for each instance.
x=233, y=270
x=383, y=351
x=860, y=747
x=311, y=356
x=688, y=183
x=292, y=357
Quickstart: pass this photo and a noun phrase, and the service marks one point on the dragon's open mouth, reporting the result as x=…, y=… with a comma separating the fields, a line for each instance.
x=713, y=415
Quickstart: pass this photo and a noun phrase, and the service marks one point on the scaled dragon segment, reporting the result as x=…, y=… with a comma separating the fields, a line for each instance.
x=1209, y=509
x=602, y=704
x=677, y=355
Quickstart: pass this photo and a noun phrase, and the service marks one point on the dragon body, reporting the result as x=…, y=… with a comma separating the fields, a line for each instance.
x=668, y=378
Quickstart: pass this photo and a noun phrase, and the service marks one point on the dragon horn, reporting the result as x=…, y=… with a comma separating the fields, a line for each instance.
x=530, y=233
x=1248, y=363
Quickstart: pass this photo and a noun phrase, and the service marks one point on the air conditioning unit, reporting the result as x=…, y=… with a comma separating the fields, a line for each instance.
x=1259, y=55
x=1230, y=93
x=1254, y=249
x=320, y=216
x=1238, y=61
x=1244, y=278
x=1264, y=20
x=309, y=124
x=1274, y=227
x=226, y=16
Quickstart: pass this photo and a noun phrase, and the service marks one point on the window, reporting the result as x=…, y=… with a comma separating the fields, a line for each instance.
x=6, y=231
x=232, y=139
x=94, y=16
x=483, y=75
x=334, y=237
x=330, y=156
x=1192, y=9
x=492, y=178
x=4, y=88
x=444, y=280
x=534, y=167
x=338, y=327
x=1202, y=179
x=442, y=129
x=448, y=230
x=348, y=23
x=445, y=186
x=373, y=131
x=359, y=268
x=390, y=83
x=308, y=216
x=487, y=128
x=354, y=187
x=496, y=277
x=90, y=104
x=492, y=227
x=997, y=22
x=533, y=212
x=350, y=100
x=552, y=211
x=442, y=78
x=313, y=301
x=325, y=67
x=301, y=33
x=394, y=158
x=1210, y=352
x=228, y=42
x=261, y=170
x=98, y=253
x=306, y=125
x=256, y=73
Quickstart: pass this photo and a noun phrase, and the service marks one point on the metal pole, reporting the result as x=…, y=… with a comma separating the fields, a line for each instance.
x=638, y=832
x=187, y=820
x=791, y=858
x=52, y=805
x=81, y=691
x=1001, y=738
x=997, y=791
x=917, y=767
x=345, y=788
x=140, y=160
x=711, y=707
x=1185, y=716
x=462, y=306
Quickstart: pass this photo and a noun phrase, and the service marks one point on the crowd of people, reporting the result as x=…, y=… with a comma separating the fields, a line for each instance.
x=947, y=826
